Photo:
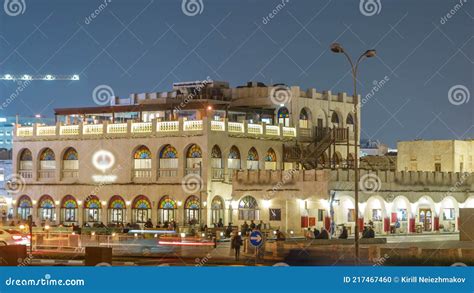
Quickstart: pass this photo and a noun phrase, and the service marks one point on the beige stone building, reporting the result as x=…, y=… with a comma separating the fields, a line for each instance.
x=205, y=151
x=436, y=155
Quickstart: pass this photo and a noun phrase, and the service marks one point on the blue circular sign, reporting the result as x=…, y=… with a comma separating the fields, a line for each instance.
x=256, y=238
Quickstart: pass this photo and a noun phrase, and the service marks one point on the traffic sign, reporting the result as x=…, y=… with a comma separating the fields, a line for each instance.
x=256, y=238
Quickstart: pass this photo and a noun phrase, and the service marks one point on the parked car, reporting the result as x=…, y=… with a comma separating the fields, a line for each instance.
x=13, y=237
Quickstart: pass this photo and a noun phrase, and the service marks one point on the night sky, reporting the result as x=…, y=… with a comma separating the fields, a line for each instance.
x=144, y=46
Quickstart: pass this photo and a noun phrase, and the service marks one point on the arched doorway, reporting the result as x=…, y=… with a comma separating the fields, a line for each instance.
x=191, y=210
x=217, y=210
x=92, y=209
x=46, y=209
x=141, y=209
x=284, y=116
x=167, y=209
x=24, y=207
x=117, y=210
x=68, y=210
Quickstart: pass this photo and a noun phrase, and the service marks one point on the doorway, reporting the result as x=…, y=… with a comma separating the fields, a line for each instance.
x=426, y=219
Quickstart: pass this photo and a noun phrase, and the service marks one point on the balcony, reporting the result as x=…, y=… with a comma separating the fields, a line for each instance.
x=159, y=128
x=46, y=174
x=26, y=174
x=192, y=171
x=217, y=174
x=69, y=174
x=142, y=173
x=167, y=173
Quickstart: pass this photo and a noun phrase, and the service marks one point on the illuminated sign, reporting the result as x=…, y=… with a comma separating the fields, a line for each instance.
x=103, y=160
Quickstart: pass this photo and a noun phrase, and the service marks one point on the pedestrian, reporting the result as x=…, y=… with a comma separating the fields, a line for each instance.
x=260, y=226
x=228, y=231
x=309, y=234
x=344, y=233
x=252, y=225
x=220, y=224
x=316, y=233
x=244, y=228
x=236, y=244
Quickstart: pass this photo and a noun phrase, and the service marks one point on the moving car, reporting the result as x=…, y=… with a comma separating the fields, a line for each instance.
x=13, y=237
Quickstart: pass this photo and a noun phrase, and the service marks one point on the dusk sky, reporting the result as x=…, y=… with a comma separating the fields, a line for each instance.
x=145, y=46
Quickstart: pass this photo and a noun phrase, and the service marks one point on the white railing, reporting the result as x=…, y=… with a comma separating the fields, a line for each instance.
x=272, y=130
x=46, y=130
x=117, y=128
x=161, y=127
x=167, y=126
x=289, y=131
x=254, y=129
x=93, y=129
x=69, y=130
x=192, y=125
x=141, y=127
x=235, y=127
x=24, y=131
x=217, y=125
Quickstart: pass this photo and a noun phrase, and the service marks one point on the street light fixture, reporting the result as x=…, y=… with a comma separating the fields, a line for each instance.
x=337, y=48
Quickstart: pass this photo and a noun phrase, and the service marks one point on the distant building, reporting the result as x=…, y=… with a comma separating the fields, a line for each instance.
x=5, y=197
x=369, y=147
x=436, y=155
x=7, y=124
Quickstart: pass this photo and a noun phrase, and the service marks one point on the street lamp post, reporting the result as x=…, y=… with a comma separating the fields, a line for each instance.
x=337, y=48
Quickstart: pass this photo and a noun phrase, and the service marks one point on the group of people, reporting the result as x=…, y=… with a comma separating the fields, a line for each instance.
x=368, y=232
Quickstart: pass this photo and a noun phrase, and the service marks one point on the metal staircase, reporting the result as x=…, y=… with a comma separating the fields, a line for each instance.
x=309, y=154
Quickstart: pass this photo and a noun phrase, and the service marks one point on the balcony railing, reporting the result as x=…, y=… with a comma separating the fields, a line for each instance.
x=142, y=173
x=163, y=127
x=26, y=174
x=167, y=172
x=217, y=174
x=46, y=174
x=192, y=171
x=70, y=173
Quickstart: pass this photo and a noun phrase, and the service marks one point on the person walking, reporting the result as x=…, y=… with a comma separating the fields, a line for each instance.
x=236, y=244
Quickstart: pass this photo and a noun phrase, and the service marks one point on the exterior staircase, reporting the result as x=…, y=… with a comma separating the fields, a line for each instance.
x=308, y=154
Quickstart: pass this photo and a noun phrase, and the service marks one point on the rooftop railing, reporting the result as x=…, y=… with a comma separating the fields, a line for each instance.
x=155, y=127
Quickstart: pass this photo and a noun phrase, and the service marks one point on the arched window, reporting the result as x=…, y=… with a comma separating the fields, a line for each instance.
x=141, y=209
x=168, y=162
x=47, y=165
x=270, y=160
x=142, y=162
x=350, y=119
x=350, y=161
x=193, y=159
x=26, y=164
x=191, y=210
x=335, y=119
x=70, y=163
x=46, y=208
x=24, y=207
x=92, y=209
x=167, y=209
x=304, y=119
x=252, y=159
x=233, y=161
x=217, y=210
x=117, y=210
x=68, y=210
x=248, y=209
x=284, y=116
x=216, y=163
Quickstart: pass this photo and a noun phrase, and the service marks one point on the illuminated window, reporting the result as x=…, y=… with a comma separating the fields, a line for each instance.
x=217, y=209
x=191, y=210
x=46, y=208
x=24, y=207
x=68, y=210
x=166, y=209
x=141, y=209
x=270, y=160
x=448, y=214
x=248, y=209
x=92, y=209
x=252, y=159
x=117, y=209
x=233, y=161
